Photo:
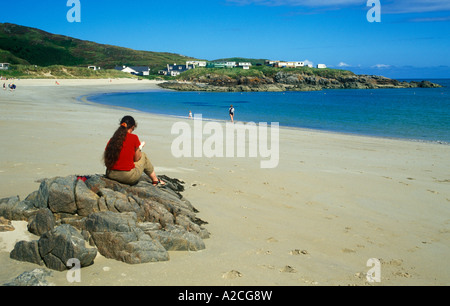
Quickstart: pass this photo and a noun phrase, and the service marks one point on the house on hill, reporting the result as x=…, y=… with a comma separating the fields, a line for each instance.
x=283, y=64
x=196, y=63
x=221, y=65
x=4, y=66
x=138, y=70
x=174, y=70
x=95, y=68
x=245, y=65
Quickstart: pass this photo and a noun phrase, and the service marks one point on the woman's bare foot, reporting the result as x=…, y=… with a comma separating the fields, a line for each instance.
x=155, y=180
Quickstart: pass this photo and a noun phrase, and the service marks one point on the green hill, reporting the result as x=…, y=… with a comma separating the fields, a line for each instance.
x=30, y=46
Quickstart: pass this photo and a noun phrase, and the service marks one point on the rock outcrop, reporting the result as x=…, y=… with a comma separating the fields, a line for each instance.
x=134, y=224
x=290, y=81
x=35, y=278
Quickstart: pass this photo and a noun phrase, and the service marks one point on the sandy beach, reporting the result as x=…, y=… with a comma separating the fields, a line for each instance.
x=334, y=201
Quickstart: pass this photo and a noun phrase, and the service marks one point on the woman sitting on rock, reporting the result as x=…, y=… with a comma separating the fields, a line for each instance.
x=124, y=160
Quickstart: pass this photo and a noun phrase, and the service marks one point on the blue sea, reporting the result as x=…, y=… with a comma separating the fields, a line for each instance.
x=421, y=114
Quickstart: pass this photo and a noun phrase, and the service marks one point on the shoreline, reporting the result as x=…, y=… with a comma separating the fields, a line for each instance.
x=85, y=99
x=342, y=199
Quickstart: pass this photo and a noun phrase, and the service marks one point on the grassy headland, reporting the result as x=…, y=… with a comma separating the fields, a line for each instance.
x=264, y=78
x=260, y=72
x=20, y=45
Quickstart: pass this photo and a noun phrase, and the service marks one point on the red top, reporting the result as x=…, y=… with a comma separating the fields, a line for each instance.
x=126, y=157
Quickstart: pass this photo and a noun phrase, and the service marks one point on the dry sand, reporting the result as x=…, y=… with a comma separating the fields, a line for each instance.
x=334, y=201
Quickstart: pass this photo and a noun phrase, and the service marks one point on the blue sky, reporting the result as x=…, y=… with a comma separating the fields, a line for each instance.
x=411, y=41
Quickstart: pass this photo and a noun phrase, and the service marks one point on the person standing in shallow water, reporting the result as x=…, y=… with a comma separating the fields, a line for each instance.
x=124, y=160
x=231, y=111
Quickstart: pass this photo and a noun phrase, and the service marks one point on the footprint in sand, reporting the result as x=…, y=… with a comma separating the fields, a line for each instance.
x=395, y=267
x=442, y=181
x=271, y=239
x=288, y=269
x=298, y=252
x=232, y=274
x=261, y=251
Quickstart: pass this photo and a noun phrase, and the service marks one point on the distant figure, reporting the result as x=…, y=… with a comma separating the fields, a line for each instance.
x=4, y=86
x=231, y=111
x=56, y=82
x=190, y=115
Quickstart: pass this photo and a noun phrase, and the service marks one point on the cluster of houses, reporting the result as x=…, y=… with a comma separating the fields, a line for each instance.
x=282, y=64
x=174, y=70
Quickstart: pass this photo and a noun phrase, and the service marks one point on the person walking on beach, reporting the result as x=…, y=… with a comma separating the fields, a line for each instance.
x=124, y=160
x=231, y=111
x=190, y=115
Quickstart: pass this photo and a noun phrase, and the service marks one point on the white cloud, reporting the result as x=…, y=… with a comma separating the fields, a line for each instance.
x=308, y=62
x=388, y=7
x=381, y=66
x=308, y=3
x=415, y=6
x=342, y=64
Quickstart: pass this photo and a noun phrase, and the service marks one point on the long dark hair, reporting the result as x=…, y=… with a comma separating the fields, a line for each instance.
x=115, y=145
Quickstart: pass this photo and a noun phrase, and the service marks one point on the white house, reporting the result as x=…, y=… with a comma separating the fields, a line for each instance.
x=94, y=68
x=174, y=70
x=321, y=66
x=282, y=64
x=4, y=66
x=294, y=64
x=138, y=70
x=230, y=64
x=298, y=64
x=196, y=63
x=245, y=65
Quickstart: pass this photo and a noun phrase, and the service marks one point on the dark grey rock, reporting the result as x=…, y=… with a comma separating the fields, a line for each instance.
x=13, y=209
x=63, y=243
x=86, y=200
x=36, y=278
x=176, y=238
x=134, y=224
x=41, y=222
x=117, y=236
x=27, y=251
x=117, y=201
x=61, y=195
x=39, y=198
